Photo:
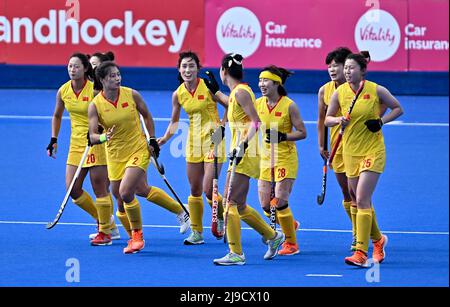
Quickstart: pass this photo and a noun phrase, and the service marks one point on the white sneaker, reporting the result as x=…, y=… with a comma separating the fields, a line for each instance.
x=184, y=221
x=230, y=259
x=273, y=245
x=194, y=238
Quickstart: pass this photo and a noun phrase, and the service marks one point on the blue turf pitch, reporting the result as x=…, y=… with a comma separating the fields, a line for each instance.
x=411, y=202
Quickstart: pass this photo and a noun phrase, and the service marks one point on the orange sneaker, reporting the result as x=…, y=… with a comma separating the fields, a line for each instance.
x=136, y=243
x=128, y=249
x=379, y=253
x=359, y=258
x=288, y=249
x=101, y=239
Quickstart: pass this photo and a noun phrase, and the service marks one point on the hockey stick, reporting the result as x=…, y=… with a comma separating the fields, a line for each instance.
x=216, y=138
x=230, y=185
x=347, y=116
x=160, y=168
x=321, y=197
x=273, y=213
x=50, y=225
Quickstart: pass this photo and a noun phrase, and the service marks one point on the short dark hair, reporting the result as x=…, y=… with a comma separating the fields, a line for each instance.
x=232, y=62
x=101, y=71
x=187, y=54
x=338, y=55
x=89, y=74
x=282, y=73
x=362, y=58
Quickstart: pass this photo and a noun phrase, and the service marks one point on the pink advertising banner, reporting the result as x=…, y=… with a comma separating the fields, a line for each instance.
x=144, y=33
x=426, y=35
x=298, y=34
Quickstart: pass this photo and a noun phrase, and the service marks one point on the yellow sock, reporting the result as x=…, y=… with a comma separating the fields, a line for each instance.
x=234, y=230
x=255, y=220
x=364, y=224
x=162, y=199
x=219, y=207
x=86, y=203
x=353, y=211
x=196, y=212
x=123, y=218
x=286, y=219
x=347, y=206
x=113, y=222
x=375, y=233
x=104, y=213
x=133, y=210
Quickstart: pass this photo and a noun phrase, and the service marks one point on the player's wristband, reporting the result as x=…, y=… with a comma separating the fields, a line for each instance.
x=103, y=138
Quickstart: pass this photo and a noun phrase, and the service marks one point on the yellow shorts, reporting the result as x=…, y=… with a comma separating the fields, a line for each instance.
x=95, y=157
x=207, y=157
x=281, y=172
x=338, y=165
x=248, y=166
x=141, y=159
x=355, y=165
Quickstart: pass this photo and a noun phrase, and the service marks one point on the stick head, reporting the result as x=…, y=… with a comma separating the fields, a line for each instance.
x=50, y=225
x=320, y=199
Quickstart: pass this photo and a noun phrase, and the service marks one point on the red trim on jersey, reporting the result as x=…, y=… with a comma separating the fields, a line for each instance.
x=271, y=109
x=196, y=87
x=114, y=103
x=78, y=94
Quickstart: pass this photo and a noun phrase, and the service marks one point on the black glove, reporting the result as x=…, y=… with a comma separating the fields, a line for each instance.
x=152, y=142
x=52, y=146
x=211, y=83
x=100, y=131
x=238, y=153
x=275, y=136
x=218, y=135
x=374, y=125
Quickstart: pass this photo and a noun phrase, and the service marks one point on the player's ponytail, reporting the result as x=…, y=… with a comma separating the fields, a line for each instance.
x=232, y=63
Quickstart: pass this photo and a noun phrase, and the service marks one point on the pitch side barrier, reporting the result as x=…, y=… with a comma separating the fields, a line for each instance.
x=165, y=79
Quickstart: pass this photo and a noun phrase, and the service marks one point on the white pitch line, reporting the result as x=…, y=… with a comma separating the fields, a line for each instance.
x=167, y=119
x=322, y=275
x=245, y=228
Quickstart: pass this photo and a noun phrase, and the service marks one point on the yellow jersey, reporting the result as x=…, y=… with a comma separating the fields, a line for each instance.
x=128, y=136
x=357, y=139
x=239, y=125
x=329, y=89
x=77, y=105
x=285, y=153
x=203, y=120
